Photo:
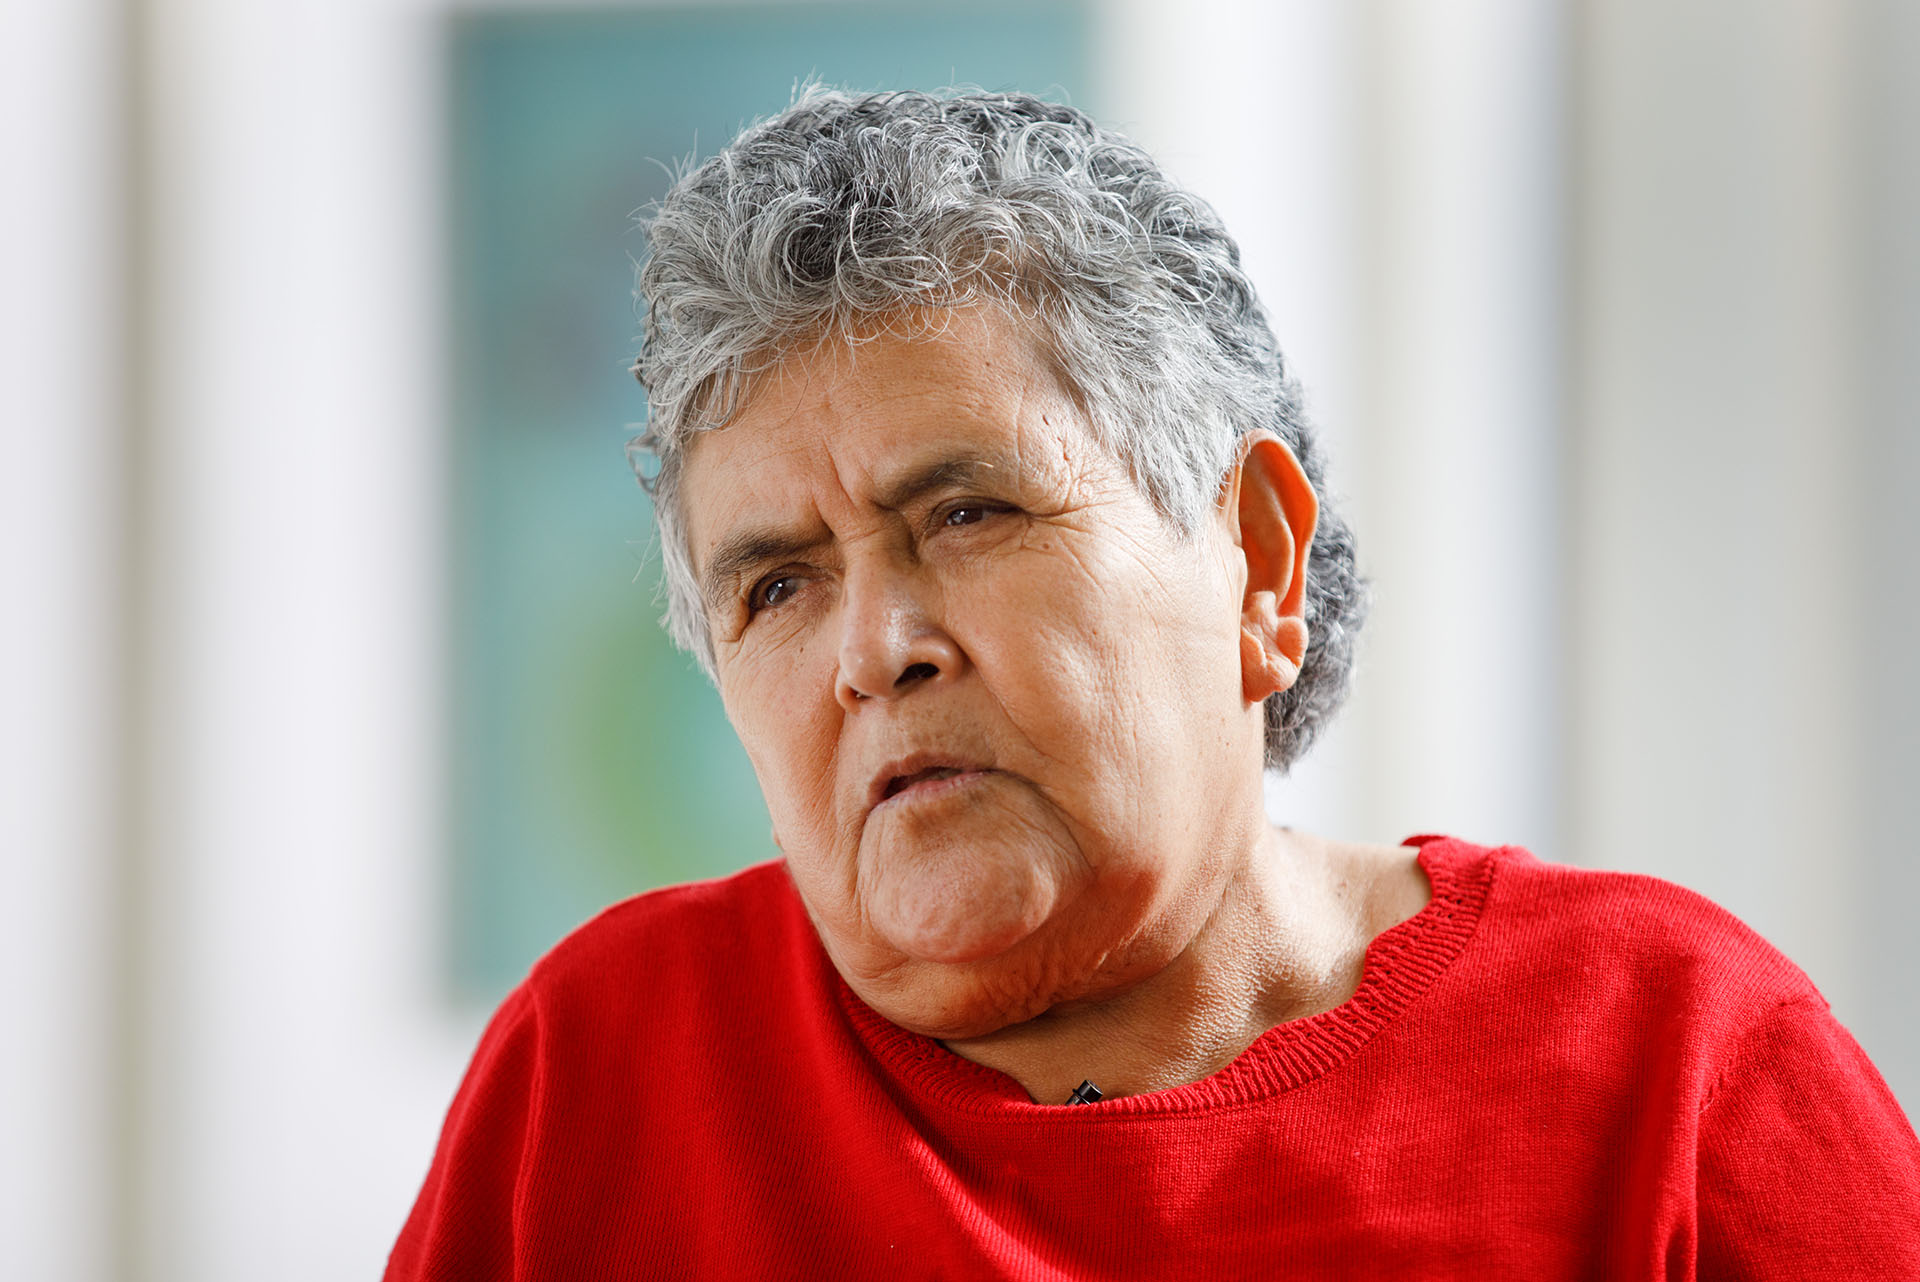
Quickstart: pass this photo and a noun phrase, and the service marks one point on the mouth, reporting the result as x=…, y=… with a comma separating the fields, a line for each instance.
x=919, y=774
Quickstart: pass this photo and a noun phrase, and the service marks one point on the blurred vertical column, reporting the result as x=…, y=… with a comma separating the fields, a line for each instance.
x=1457, y=396
x=61, y=361
x=1248, y=103
x=1391, y=172
x=297, y=1050
x=1887, y=259
x=1743, y=601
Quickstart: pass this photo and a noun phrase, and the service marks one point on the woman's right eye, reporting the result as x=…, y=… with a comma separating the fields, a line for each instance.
x=772, y=591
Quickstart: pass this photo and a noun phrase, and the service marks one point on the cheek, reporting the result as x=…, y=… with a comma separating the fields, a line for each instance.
x=1102, y=641
x=789, y=739
x=1118, y=678
x=1070, y=686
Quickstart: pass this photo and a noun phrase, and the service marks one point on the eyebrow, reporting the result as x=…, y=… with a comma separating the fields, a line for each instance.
x=746, y=549
x=941, y=474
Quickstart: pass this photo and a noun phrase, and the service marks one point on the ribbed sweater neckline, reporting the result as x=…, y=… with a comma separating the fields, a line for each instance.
x=1401, y=964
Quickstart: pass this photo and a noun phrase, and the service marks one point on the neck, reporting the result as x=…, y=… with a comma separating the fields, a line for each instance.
x=1287, y=939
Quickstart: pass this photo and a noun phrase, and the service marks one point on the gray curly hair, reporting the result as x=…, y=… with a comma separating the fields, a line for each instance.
x=847, y=211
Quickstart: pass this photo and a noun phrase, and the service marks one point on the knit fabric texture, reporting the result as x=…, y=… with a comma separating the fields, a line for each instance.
x=1546, y=1073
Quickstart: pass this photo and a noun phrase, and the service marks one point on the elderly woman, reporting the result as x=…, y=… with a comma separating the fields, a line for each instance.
x=986, y=502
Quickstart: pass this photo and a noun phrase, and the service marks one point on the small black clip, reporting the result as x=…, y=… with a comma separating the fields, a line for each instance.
x=1085, y=1093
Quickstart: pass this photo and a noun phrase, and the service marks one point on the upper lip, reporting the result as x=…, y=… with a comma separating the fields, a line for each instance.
x=913, y=764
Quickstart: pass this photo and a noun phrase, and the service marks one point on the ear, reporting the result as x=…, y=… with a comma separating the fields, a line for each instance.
x=1272, y=509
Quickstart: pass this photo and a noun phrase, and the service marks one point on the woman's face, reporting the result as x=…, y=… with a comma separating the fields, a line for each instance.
x=994, y=699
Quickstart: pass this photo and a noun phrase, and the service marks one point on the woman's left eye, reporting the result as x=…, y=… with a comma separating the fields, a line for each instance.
x=968, y=514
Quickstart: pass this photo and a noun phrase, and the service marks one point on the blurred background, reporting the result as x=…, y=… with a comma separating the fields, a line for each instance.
x=330, y=692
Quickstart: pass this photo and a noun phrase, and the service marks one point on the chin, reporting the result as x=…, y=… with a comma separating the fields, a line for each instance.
x=963, y=1002
x=967, y=1001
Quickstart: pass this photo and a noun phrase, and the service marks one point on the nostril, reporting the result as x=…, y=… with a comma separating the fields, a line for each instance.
x=917, y=672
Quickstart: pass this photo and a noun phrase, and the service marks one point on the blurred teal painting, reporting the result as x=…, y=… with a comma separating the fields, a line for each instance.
x=588, y=760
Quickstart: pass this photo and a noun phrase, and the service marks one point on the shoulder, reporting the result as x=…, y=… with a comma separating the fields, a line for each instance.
x=681, y=917
x=664, y=989
x=678, y=947
x=615, y=1032
x=1612, y=972
x=1639, y=931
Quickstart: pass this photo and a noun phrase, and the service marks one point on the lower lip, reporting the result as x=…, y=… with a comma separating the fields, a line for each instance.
x=932, y=789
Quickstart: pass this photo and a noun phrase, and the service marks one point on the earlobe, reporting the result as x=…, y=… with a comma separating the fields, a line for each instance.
x=1276, y=512
x=1272, y=648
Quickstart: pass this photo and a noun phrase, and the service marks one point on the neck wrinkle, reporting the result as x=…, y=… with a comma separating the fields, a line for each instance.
x=1287, y=940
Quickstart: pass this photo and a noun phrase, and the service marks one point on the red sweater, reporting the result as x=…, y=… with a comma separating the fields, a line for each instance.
x=1546, y=1073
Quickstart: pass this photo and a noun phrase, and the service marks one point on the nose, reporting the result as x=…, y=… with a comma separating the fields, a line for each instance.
x=891, y=641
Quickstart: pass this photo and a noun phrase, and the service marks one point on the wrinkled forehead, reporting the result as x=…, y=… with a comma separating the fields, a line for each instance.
x=880, y=420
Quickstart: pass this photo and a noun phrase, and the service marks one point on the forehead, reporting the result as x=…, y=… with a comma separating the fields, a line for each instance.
x=846, y=427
